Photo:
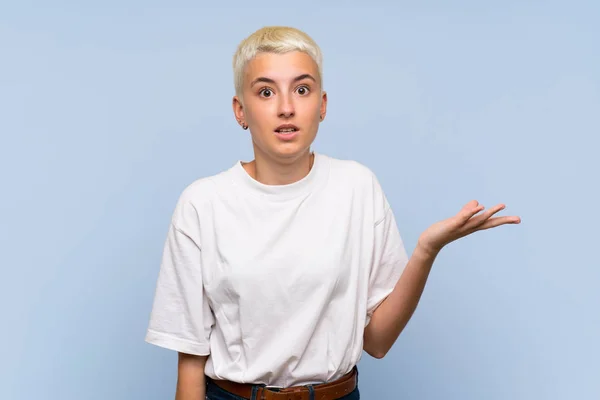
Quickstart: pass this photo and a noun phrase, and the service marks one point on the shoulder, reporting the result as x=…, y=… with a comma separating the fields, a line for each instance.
x=349, y=170
x=196, y=197
x=361, y=180
x=353, y=173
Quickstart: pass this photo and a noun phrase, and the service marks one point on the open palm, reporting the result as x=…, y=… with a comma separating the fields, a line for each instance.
x=467, y=221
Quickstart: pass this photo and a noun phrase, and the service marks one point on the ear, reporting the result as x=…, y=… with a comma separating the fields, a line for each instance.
x=323, y=109
x=238, y=111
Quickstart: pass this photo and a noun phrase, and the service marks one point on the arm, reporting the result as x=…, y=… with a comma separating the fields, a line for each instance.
x=392, y=315
x=191, y=384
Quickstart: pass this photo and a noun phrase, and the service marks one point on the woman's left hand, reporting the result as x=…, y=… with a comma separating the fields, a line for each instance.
x=462, y=224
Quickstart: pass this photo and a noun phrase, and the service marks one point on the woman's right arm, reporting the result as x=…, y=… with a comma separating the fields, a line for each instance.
x=191, y=384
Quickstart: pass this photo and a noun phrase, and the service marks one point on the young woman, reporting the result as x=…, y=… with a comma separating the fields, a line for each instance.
x=277, y=273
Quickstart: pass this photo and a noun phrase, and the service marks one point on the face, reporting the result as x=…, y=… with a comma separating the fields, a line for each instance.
x=282, y=104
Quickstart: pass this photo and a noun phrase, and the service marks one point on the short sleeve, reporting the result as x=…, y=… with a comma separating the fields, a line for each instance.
x=181, y=318
x=389, y=259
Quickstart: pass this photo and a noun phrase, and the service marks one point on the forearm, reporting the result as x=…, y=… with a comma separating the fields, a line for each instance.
x=392, y=315
x=191, y=384
x=190, y=390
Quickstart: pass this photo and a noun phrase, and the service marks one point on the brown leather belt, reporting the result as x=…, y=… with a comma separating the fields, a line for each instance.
x=326, y=391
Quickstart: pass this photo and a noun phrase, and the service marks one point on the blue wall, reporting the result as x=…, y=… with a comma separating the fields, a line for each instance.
x=108, y=110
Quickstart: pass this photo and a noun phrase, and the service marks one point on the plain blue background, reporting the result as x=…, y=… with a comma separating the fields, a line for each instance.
x=109, y=109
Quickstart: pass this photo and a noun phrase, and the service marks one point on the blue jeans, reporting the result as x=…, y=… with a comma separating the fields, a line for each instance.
x=214, y=392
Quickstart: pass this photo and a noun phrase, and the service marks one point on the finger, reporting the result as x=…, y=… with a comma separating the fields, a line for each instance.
x=469, y=210
x=480, y=219
x=497, y=221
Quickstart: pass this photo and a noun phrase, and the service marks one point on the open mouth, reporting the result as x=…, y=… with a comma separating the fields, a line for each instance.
x=287, y=129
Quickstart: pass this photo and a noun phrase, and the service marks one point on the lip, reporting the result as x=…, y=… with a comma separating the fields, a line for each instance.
x=287, y=136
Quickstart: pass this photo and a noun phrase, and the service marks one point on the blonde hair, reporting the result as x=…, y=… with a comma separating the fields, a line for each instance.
x=273, y=39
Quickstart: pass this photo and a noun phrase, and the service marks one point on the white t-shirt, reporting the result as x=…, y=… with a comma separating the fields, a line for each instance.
x=277, y=282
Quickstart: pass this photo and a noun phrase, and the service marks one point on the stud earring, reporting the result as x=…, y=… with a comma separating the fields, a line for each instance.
x=244, y=127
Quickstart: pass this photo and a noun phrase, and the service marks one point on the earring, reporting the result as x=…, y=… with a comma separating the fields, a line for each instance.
x=244, y=126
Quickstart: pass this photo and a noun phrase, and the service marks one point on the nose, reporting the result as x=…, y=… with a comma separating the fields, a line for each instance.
x=286, y=106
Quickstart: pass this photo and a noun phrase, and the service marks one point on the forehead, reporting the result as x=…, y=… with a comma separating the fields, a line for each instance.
x=280, y=67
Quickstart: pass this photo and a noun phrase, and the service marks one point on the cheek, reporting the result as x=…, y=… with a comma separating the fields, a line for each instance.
x=259, y=113
x=310, y=109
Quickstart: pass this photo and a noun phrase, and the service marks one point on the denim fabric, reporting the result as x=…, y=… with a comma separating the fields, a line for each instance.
x=214, y=392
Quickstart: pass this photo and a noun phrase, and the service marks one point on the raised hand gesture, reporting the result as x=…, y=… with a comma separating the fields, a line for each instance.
x=468, y=220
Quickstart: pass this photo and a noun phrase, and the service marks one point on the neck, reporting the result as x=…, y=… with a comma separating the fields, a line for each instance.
x=269, y=171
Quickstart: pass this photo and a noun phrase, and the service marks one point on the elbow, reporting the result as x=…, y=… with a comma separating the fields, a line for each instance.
x=374, y=351
x=372, y=344
x=378, y=354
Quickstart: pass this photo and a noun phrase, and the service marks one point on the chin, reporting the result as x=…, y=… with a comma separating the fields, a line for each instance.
x=290, y=151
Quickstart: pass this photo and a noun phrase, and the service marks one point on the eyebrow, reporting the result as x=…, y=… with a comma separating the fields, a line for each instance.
x=269, y=80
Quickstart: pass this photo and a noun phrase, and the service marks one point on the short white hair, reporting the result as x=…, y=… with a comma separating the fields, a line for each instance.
x=274, y=39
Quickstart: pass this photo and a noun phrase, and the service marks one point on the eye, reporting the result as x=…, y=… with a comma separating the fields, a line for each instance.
x=303, y=90
x=265, y=92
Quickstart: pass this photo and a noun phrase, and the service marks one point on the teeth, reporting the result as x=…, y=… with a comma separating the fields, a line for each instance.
x=287, y=130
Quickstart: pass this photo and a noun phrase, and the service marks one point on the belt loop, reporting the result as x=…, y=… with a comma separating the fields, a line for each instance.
x=254, y=393
x=311, y=392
